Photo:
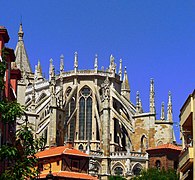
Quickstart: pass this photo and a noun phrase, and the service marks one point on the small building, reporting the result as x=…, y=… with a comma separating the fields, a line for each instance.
x=165, y=156
x=63, y=162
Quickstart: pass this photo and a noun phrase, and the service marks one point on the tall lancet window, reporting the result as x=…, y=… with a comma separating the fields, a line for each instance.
x=70, y=123
x=85, y=114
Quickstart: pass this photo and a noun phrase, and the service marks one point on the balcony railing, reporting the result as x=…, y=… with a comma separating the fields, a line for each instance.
x=186, y=158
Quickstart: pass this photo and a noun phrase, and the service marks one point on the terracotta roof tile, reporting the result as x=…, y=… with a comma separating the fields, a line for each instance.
x=73, y=175
x=166, y=146
x=56, y=151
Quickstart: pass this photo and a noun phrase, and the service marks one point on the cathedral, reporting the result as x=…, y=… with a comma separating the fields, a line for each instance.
x=92, y=109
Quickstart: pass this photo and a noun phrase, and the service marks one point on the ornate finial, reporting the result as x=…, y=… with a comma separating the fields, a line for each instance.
x=162, y=117
x=106, y=89
x=75, y=62
x=61, y=63
x=152, y=96
x=96, y=63
x=169, y=108
x=51, y=69
x=125, y=70
x=120, y=70
x=137, y=98
x=20, y=33
x=112, y=66
x=39, y=69
x=138, y=103
x=35, y=76
x=111, y=59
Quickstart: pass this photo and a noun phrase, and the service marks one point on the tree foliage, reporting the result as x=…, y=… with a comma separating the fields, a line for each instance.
x=154, y=174
x=18, y=157
x=116, y=178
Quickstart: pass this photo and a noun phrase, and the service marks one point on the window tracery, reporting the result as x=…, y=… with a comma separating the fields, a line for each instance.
x=85, y=114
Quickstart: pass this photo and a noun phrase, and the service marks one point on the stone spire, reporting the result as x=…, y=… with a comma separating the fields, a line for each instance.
x=162, y=117
x=51, y=69
x=152, y=96
x=125, y=88
x=138, y=103
x=169, y=108
x=75, y=62
x=53, y=105
x=20, y=33
x=112, y=66
x=22, y=60
x=120, y=70
x=96, y=63
x=111, y=60
x=52, y=83
x=61, y=64
x=39, y=70
x=61, y=80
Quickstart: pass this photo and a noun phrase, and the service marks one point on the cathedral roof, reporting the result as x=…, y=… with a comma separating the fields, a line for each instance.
x=60, y=150
x=22, y=60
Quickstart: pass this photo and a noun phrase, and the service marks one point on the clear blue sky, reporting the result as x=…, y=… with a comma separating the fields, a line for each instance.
x=155, y=39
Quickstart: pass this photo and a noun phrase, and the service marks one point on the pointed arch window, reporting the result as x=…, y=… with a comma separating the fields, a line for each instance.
x=143, y=143
x=70, y=123
x=85, y=114
x=118, y=171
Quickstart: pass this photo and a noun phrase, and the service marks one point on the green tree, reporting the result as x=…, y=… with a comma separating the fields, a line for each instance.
x=154, y=174
x=18, y=156
x=116, y=178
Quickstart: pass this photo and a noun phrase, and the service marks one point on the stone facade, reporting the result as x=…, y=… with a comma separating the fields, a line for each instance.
x=92, y=108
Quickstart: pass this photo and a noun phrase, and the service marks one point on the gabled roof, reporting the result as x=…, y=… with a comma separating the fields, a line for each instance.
x=60, y=150
x=166, y=146
x=71, y=175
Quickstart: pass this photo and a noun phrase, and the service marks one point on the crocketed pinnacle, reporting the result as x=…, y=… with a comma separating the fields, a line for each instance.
x=125, y=83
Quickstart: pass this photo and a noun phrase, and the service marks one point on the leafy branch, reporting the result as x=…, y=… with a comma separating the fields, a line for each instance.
x=18, y=156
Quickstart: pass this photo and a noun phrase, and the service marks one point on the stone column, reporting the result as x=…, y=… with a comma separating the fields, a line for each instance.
x=106, y=129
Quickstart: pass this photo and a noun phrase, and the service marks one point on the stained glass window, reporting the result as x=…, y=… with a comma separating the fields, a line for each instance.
x=85, y=114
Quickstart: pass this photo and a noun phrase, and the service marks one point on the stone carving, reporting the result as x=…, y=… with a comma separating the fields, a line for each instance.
x=105, y=89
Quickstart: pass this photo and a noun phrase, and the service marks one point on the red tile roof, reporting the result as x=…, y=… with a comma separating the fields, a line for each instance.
x=56, y=151
x=72, y=175
x=166, y=146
